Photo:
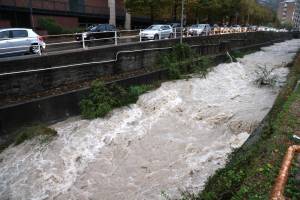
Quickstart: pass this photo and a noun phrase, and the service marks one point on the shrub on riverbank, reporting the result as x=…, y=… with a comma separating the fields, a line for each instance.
x=104, y=98
x=183, y=60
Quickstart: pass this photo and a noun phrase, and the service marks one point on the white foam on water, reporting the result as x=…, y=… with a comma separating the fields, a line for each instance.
x=173, y=138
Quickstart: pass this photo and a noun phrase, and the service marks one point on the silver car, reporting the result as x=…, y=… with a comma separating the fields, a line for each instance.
x=156, y=32
x=199, y=29
x=20, y=41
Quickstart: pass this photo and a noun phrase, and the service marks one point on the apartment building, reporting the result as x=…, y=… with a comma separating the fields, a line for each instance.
x=286, y=10
x=67, y=13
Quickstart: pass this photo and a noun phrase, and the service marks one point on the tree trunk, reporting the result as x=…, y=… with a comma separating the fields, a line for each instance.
x=152, y=14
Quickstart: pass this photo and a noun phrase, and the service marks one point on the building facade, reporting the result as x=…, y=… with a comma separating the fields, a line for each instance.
x=67, y=13
x=286, y=12
x=296, y=19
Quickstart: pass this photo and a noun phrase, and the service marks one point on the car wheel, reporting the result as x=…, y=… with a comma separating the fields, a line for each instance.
x=36, y=49
x=156, y=37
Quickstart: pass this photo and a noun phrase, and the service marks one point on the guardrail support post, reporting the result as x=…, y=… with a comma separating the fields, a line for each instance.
x=116, y=38
x=40, y=50
x=175, y=33
x=140, y=35
x=83, y=42
x=159, y=36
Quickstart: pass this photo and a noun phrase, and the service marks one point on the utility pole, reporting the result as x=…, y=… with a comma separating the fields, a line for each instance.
x=112, y=12
x=181, y=29
x=31, y=14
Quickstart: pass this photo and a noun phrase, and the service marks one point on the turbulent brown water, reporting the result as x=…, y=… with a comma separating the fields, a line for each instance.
x=172, y=139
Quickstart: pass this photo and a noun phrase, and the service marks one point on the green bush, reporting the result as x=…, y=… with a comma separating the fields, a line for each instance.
x=53, y=28
x=182, y=60
x=50, y=25
x=102, y=98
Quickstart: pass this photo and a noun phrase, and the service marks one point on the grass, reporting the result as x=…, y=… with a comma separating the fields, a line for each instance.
x=250, y=172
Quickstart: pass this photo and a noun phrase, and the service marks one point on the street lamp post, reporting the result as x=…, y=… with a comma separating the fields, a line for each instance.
x=31, y=14
x=181, y=31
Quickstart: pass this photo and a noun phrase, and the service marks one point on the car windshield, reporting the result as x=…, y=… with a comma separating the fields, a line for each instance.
x=153, y=27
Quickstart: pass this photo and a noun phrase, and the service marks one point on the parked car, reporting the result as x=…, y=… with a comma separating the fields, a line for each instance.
x=20, y=41
x=175, y=25
x=156, y=32
x=236, y=28
x=99, y=31
x=199, y=29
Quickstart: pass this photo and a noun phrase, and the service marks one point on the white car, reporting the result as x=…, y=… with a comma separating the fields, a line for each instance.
x=20, y=41
x=199, y=29
x=156, y=32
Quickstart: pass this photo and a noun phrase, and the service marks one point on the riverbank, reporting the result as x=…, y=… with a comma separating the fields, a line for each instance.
x=250, y=172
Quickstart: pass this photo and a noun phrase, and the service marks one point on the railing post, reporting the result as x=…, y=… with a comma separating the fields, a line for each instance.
x=116, y=38
x=159, y=35
x=39, y=48
x=140, y=35
x=175, y=33
x=83, y=42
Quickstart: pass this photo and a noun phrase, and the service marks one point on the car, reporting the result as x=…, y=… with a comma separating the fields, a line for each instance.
x=156, y=32
x=20, y=41
x=199, y=29
x=262, y=28
x=100, y=31
x=175, y=25
x=236, y=28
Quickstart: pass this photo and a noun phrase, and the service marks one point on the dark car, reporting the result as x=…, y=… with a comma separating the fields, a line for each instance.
x=100, y=31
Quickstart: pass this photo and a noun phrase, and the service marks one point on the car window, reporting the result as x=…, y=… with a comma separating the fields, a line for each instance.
x=153, y=27
x=19, y=33
x=111, y=28
x=4, y=35
x=101, y=28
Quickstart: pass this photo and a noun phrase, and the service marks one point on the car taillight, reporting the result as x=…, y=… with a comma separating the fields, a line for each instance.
x=40, y=38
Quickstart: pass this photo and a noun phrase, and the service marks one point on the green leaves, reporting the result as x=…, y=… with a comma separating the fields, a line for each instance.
x=211, y=11
x=103, y=98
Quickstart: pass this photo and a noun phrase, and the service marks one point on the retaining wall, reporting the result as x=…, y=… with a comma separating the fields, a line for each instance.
x=51, y=77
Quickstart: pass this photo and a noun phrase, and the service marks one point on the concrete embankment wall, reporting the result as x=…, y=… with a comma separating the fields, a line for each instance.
x=56, y=69
x=59, y=107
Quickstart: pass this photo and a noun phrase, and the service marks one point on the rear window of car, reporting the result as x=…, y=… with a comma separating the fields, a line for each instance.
x=4, y=35
x=111, y=28
x=98, y=28
x=19, y=33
